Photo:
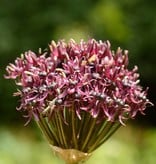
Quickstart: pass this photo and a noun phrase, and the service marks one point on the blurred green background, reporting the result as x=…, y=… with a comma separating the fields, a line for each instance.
x=130, y=24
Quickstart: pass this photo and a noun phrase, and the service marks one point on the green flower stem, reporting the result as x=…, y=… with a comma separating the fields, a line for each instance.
x=73, y=129
x=53, y=128
x=59, y=129
x=62, y=132
x=45, y=130
x=66, y=125
x=109, y=134
x=104, y=130
x=91, y=128
x=97, y=129
x=81, y=123
x=84, y=129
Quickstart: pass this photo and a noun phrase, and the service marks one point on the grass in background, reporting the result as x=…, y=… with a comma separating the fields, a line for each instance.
x=129, y=145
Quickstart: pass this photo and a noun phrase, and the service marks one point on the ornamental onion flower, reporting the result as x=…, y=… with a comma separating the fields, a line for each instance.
x=78, y=93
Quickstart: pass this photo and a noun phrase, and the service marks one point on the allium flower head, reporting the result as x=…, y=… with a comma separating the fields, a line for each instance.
x=88, y=76
x=72, y=80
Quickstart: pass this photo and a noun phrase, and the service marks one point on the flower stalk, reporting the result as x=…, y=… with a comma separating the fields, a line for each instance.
x=78, y=144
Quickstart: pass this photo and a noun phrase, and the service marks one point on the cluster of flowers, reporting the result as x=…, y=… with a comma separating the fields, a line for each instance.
x=85, y=76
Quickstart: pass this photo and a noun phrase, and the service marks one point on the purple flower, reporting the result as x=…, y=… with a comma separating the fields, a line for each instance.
x=89, y=76
x=78, y=93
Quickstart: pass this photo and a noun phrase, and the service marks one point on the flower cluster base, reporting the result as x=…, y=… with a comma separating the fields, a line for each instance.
x=70, y=156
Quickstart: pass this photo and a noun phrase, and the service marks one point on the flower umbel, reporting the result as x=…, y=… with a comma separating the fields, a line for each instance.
x=78, y=93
